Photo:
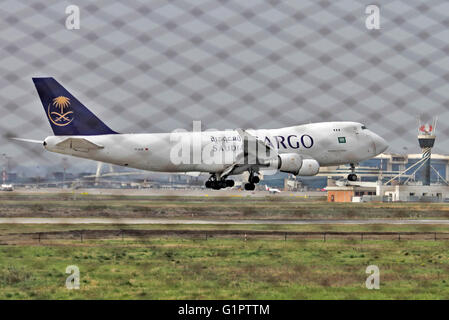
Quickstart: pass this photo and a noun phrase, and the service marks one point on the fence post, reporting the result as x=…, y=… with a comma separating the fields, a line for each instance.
x=246, y=238
x=399, y=236
x=81, y=235
x=206, y=235
x=39, y=237
x=435, y=236
x=324, y=237
x=361, y=236
x=285, y=237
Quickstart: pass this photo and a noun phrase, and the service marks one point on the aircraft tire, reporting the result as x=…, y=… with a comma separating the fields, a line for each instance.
x=255, y=179
x=230, y=183
x=222, y=184
x=249, y=186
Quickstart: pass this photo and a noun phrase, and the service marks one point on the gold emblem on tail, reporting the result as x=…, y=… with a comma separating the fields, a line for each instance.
x=60, y=115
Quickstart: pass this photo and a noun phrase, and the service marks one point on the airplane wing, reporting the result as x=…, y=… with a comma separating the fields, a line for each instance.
x=254, y=149
x=78, y=144
x=261, y=148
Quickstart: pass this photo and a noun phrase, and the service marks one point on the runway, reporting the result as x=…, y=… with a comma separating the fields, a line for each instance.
x=171, y=193
x=136, y=221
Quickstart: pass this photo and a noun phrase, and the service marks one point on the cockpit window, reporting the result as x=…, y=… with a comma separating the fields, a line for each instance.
x=364, y=128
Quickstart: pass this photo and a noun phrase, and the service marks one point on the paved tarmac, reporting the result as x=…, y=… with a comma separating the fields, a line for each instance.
x=172, y=192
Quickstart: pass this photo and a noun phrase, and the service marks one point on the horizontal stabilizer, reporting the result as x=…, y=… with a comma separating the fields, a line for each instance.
x=78, y=144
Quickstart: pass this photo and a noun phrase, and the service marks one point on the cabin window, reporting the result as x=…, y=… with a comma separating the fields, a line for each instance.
x=341, y=139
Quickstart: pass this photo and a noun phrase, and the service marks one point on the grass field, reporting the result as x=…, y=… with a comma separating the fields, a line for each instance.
x=272, y=207
x=226, y=269
x=6, y=229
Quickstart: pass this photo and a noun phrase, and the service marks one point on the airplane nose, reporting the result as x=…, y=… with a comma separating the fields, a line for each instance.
x=380, y=144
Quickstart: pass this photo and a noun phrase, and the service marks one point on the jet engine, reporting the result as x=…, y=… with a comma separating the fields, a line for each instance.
x=287, y=162
x=295, y=164
x=310, y=167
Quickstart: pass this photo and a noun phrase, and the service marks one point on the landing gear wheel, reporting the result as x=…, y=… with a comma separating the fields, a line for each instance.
x=216, y=185
x=255, y=179
x=230, y=183
x=352, y=177
x=222, y=184
x=249, y=186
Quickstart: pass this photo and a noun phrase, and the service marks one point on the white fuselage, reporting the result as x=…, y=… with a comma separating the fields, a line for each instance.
x=329, y=143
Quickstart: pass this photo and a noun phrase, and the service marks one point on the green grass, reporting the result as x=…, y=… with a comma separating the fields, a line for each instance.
x=220, y=268
x=226, y=269
x=6, y=229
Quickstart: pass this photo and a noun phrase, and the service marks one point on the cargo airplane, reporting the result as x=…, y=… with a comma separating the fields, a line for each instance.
x=300, y=150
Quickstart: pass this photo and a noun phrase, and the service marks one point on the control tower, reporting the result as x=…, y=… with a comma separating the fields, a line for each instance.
x=426, y=139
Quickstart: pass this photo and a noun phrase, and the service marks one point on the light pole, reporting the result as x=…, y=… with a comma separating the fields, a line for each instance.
x=64, y=163
x=5, y=167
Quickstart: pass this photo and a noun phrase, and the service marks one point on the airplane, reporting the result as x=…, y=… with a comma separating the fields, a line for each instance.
x=300, y=150
x=272, y=190
x=6, y=187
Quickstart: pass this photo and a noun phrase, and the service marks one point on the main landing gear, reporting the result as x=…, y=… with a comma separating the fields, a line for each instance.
x=352, y=176
x=217, y=184
x=252, y=180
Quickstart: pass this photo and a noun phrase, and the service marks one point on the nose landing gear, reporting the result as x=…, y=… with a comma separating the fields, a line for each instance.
x=352, y=176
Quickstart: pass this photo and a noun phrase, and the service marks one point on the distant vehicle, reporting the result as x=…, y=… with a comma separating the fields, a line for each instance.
x=272, y=190
x=300, y=150
x=6, y=187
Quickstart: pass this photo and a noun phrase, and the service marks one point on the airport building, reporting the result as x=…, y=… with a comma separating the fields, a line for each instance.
x=384, y=166
x=396, y=177
x=388, y=178
x=391, y=162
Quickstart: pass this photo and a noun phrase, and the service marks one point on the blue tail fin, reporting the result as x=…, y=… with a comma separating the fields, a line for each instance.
x=67, y=116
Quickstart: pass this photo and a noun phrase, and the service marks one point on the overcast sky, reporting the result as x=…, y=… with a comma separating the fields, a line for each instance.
x=154, y=66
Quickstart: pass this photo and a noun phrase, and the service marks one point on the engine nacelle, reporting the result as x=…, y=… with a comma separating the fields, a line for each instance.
x=295, y=164
x=289, y=162
x=310, y=167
